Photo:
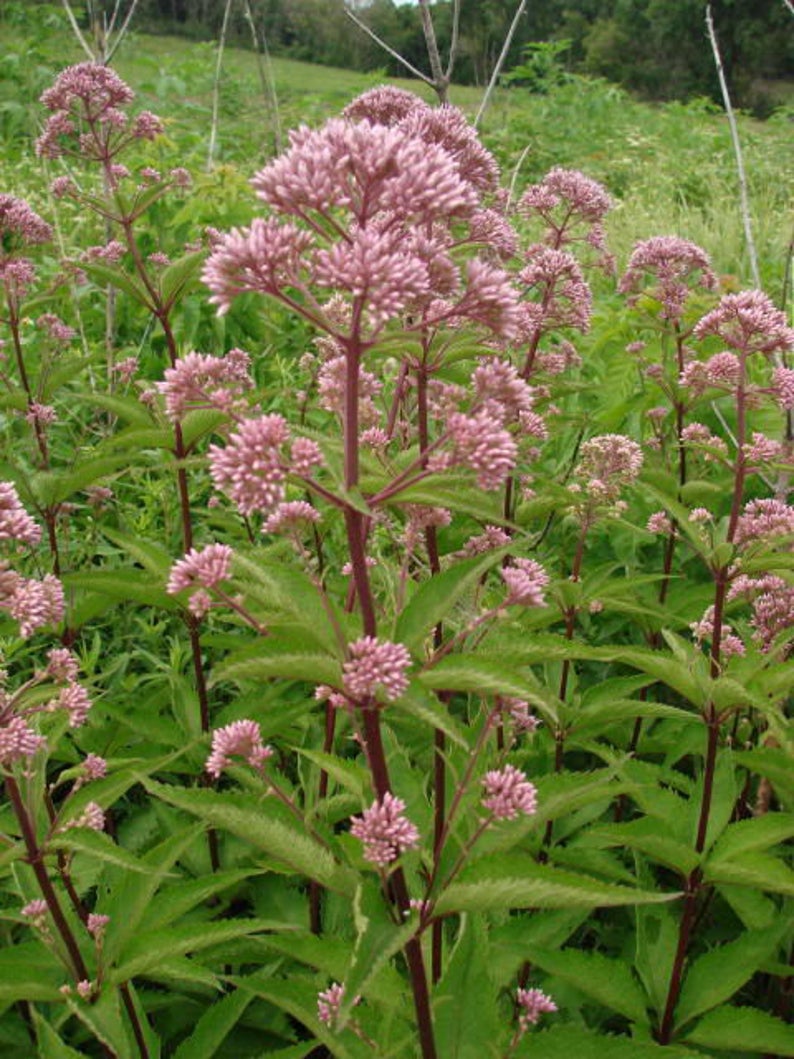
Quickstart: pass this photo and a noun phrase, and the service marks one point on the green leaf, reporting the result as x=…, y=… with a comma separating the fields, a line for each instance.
x=717, y=975
x=416, y=702
x=151, y=555
x=378, y=938
x=743, y=1030
x=177, y=277
x=519, y=882
x=760, y=870
x=146, y=951
x=104, y=275
x=125, y=585
x=436, y=597
x=571, y=1042
x=50, y=1044
x=275, y=657
x=96, y=844
x=175, y=901
x=348, y=774
x=609, y=981
x=298, y=997
x=758, y=833
x=53, y=488
x=483, y=676
x=130, y=897
x=104, y=1020
x=127, y=408
x=648, y=836
x=773, y=763
x=465, y=1015
x=29, y=972
x=261, y=824
x=214, y=1026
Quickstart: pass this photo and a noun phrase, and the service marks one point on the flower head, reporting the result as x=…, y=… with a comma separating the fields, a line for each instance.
x=376, y=664
x=525, y=581
x=249, y=468
x=748, y=322
x=532, y=1004
x=238, y=739
x=15, y=523
x=508, y=792
x=205, y=568
x=673, y=267
x=385, y=831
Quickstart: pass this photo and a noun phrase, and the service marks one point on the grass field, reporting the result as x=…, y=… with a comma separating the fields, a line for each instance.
x=671, y=168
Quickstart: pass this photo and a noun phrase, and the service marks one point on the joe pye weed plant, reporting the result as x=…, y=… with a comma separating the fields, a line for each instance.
x=447, y=715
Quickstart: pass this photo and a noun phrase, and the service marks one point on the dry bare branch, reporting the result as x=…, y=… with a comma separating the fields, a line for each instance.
x=486, y=99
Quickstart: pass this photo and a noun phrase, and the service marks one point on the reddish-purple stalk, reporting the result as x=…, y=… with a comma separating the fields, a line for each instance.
x=35, y=857
x=355, y=523
x=711, y=719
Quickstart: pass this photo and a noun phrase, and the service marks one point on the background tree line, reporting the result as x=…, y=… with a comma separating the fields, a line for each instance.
x=656, y=48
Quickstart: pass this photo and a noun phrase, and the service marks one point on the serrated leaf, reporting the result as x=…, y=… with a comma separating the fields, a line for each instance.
x=519, y=882
x=477, y=674
x=760, y=832
x=177, y=277
x=760, y=870
x=29, y=972
x=116, y=277
x=214, y=1026
x=262, y=825
x=50, y=1045
x=97, y=844
x=299, y=999
x=772, y=762
x=743, y=1030
x=571, y=1042
x=104, y=1020
x=150, y=554
x=275, y=658
x=716, y=976
x=435, y=597
x=427, y=708
x=465, y=1015
x=348, y=774
x=53, y=488
x=124, y=585
x=644, y=835
x=175, y=901
x=147, y=950
x=608, y=980
x=127, y=408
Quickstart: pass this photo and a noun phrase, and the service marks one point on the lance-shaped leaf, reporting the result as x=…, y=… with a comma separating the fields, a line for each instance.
x=741, y=1029
x=263, y=824
x=465, y=1014
x=214, y=1026
x=608, y=980
x=512, y=881
x=572, y=1042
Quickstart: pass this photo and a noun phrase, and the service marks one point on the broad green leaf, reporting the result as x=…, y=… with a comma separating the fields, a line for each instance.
x=378, y=939
x=214, y=1026
x=757, y=869
x=465, y=1016
x=608, y=980
x=648, y=836
x=274, y=658
x=436, y=597
x=760, y=832
x=177, y=277
x=520, y=882
x=177, y=900
x=147, y=950
x=131, y=895
x=132, y=586
x=348, y=774
x=571, y=1042
x=262, y=825
x=29, y=971
x=52, y=487
x=116, y=277
x=150, y=554
x=103, y=1018
x=127, y=408
x=743, y=1029
x=50, y=1044
x=717, y=975
x=298, y=997
x=483, y=676
x=772, y=762
x=99, y=846
x=417, y=702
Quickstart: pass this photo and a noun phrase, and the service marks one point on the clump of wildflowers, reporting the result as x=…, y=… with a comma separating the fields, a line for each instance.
x=532, y=1003
x=385, y=831
x=667, y=268
x=199, y=380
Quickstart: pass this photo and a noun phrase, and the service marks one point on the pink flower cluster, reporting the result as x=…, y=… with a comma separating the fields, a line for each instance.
x=329, y=1002
x=17, y=741
x=15, y=523
x=566, y=200
x=238, y=739
x=673, y=267
x=32, y=603
x=765, y=520
x=525, y=580
x=748, y=322
x=532, y=1003
x=608, y=463
x=375, y=664
x=86, y=102
x=385, y=831
x=250, y=469
x=200, y=380
x=562, y=297
x=203, y=569
x=508, y=792
x=20, y=226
